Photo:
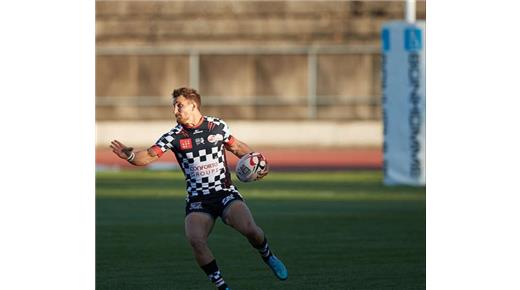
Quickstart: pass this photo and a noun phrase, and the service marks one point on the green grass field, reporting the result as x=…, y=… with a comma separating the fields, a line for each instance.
x=334, y=230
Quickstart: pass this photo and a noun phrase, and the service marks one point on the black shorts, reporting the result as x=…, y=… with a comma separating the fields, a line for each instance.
x=213, y=204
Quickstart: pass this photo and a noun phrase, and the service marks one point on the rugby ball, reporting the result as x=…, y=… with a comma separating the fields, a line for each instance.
x=249, y=165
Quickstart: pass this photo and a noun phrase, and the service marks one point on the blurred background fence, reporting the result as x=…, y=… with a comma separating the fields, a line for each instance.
x=283, y=74
x=250, y=60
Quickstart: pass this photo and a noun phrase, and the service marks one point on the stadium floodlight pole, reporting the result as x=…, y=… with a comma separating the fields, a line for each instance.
x=312, y=76
x=409, y=12
x=194, y=69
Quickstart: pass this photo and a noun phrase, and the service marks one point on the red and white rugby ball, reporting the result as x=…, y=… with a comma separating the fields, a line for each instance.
x=249, y=165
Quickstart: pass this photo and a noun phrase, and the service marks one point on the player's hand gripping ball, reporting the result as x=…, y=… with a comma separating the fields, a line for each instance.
x=251, y=167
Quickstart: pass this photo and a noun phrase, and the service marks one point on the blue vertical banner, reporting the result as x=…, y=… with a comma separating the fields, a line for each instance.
x=404, y=102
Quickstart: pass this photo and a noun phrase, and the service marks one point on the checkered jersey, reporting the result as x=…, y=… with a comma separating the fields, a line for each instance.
x=200, y=153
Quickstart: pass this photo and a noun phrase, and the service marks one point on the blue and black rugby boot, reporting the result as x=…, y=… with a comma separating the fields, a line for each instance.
x=279, y=269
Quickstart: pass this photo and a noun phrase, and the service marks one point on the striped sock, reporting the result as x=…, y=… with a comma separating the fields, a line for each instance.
x=264, y=250
x=214, y=275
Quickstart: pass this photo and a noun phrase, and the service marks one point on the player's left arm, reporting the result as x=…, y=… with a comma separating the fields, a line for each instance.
x=240, y=149
x=237, y=147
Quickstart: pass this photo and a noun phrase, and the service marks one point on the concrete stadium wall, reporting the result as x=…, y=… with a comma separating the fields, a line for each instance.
x=251, y=22
x=234, y=77
x=258, y=133
x=348, y=85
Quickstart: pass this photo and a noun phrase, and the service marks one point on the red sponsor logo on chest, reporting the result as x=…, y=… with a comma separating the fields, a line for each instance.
x=185, y=144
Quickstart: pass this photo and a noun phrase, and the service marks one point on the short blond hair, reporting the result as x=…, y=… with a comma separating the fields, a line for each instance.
x=188, y=93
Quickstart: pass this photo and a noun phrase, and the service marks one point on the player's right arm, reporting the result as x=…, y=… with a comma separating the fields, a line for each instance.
x=140, y=158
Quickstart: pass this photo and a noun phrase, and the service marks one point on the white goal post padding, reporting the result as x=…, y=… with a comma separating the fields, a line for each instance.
x=404, y=102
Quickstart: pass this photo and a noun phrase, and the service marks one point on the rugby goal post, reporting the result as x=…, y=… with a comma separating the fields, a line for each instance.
x=404, y=100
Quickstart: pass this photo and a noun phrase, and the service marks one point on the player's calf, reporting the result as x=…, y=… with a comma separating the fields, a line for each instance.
x=214, y=275
x=276, y=265
x=263, y=250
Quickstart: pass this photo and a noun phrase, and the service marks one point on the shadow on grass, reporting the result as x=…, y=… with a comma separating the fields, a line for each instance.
x=336, y=244
x=140, y=244
x=361, y=182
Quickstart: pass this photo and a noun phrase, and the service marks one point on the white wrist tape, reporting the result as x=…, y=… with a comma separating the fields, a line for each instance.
x=131, y=157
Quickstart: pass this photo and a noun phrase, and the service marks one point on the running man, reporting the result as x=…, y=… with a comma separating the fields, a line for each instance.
x=198, y=143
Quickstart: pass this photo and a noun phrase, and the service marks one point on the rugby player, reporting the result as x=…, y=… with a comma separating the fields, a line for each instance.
x=198, y=143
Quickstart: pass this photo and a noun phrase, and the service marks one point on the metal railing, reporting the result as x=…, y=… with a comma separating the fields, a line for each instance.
x=313, y=100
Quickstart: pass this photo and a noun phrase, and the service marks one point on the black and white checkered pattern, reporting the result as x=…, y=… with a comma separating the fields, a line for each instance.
x=221, y=125
x=166, y=140
x=204, y=166
x=213, y=158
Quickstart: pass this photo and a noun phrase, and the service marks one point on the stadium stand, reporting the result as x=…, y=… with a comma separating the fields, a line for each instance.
x=251, y=60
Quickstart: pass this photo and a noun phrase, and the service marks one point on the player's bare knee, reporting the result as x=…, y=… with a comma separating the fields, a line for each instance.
x=198, y=245
x=252, y=231
x=197, y=242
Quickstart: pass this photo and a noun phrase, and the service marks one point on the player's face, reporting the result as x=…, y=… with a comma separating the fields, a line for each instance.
x=183, y=109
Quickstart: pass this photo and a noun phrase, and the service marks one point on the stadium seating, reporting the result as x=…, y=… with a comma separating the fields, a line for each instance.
x=133, y=83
